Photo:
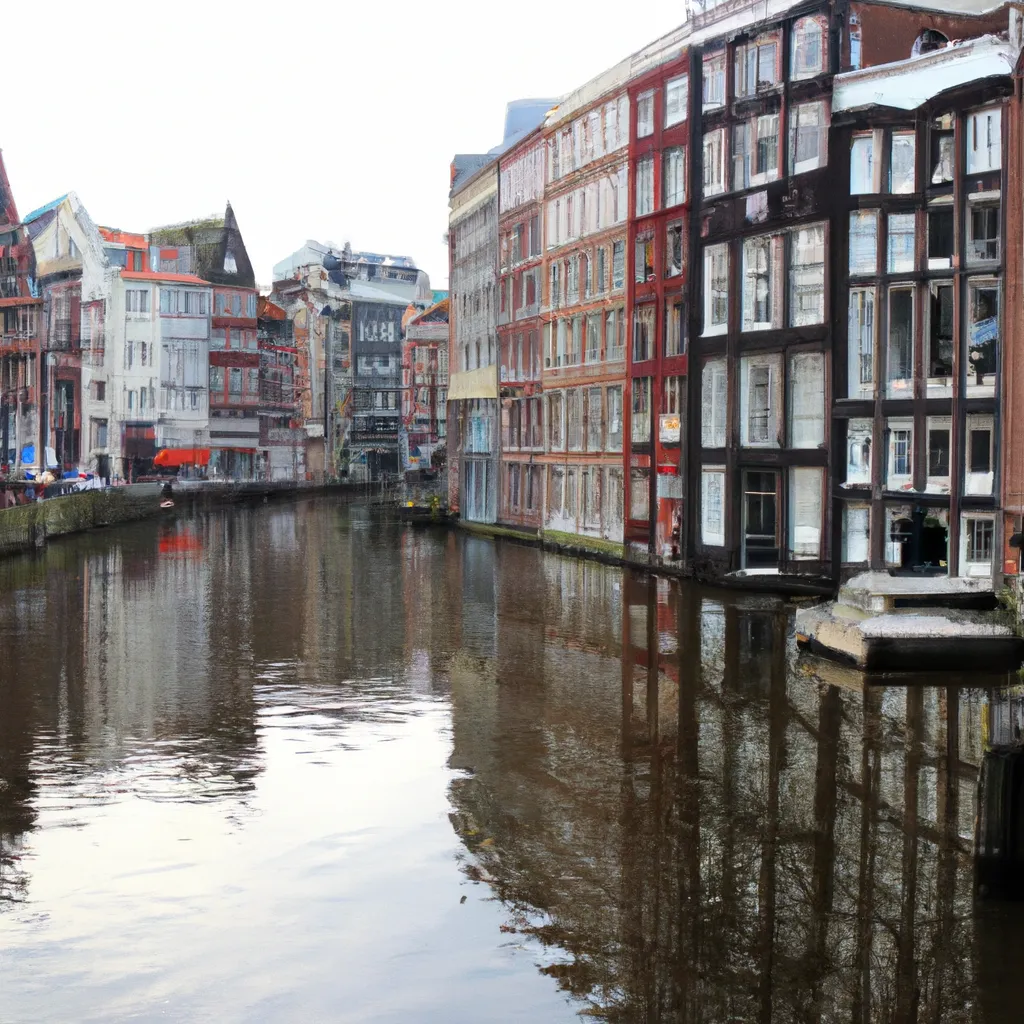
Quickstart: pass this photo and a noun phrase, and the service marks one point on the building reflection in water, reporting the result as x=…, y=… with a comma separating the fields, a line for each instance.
x=754, y=837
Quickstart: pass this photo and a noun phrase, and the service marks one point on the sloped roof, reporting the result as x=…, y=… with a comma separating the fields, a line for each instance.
x=213, y=239
x=36, y=214
x=435, y=314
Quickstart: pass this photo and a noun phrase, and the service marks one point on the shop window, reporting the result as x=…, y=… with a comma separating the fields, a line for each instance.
x=806, y=400
x=762, y=273
x=714, y=395
x=645, y=114
x=902, y=179
x=901, y=455
x=940, y=338
x=977, y=545
x=760, y=401
x=982, y=337
x=900, y=351
x=805, y=512
x=860, y=341
x=856, y=534
x=643, y=333
x=858, y=451
x=808, y=48
x=808, y=136
x=714, y=81
x=674, y=249
x=714, y=162
x=712, y=506
x=979, y=462
x=674, y=175
x=901, y=243
x=984, y=141
x=982, y=232
x=938, y=454
x=756, y=66
x=942, y=149
x=807, y=276
x=644, y=186
x=864, y=242
x=675, y=327
x=940, y=236
x=864, y=164
x=677, y=93
x=640, y=418
x=716, y=289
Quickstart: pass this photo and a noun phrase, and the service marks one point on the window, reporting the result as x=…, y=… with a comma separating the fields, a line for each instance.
x=643, y=259
x=860, y=342
x=594, y=419
x=805, y=508
x=136, y=300
x=761, y=259
x=671, y=402
x=982, y=232
x=856, y=533
x=571, y=486
x=584, y=275
x=640, y=420
x=901, y=163
x=806, y=400
x=674, y=175
x=863, y=242
x=644, y=186
x=858, y=451
x=766, y=154
x=942, y=147
x=556, y=491
x=808, y=48
x=712, y=506
x=252, y=384
x=759, y=404
x=250, y=306
x=714, y=162
x=940, y=333
x=979, y=455
x=555, y=286
x=645, y=114
x=618, y=265
x=643, y=333
x=614, y=414
x=983, y=335
x=938, y=454
x=676, y=99
x=755, y=66
x=714, y=394
x=217, y=380
x=235, y=380
x=236, y=304
x=940, y=236
x=807, y=276
x=639, y=495
x=977, y=545
x=100, y=390
x=716, y=289
x=572, y=280
x=714, y=81
x=555, y=429
x=741, y=155
x=593, y=351
x=574, y=418
x=575, y=356
x=901, y=454
x=600, y=278
x=674, y=249
x=984, y=141
x=901, y=243
x=863, y=165
x=808, y=136
x=675, y=331
x=900, y=353
x=99, y=433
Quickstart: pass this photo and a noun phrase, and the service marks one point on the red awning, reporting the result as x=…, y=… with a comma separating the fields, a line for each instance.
x=173, y=457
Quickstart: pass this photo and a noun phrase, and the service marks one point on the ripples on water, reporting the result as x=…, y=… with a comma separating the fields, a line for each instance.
x=295, y=763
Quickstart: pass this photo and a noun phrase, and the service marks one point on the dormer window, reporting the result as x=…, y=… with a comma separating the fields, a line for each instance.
x=928, y=41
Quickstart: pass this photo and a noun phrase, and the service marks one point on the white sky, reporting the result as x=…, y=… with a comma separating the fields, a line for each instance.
x=317, y=120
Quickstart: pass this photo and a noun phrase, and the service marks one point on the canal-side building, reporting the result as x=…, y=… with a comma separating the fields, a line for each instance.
x=473, y=438
x=281, y=441
x=425, y=386
x=521, y=174
x=656, y=411
x=20, y=341
x=921, y=247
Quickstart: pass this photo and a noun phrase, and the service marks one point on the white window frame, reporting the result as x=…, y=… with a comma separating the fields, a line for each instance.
x=770, y=248
x=861, y=300
x=714, y=404
x=714, y=162
x=712, y=506
x=714, y=255
x=865, y=164
x=903, y=140
x=978, y=483
x=984, y=140
x=802, y=64
x=645, y=186
x=811, y=272
x=806, y=512
x=805, y=375
x=645, y=114
x=896, y=429
x=859, y=451
x=673, y=176
x=713, y=81
x=761, y=372
x=677, y=96
x=970, y=521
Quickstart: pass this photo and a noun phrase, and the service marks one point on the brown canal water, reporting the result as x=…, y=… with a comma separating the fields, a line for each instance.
x=295, y=763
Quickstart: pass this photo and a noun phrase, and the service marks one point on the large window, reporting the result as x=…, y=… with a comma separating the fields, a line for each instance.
x=614, y=335
x=755, y=151
x=714, y=162
x=574, y=418
x=982, y=336
x=940, y=235
x=858, y=451
x=760, y=394
x=676, y=98
x=856, y=533
x=640, y=418
x=716, y=289
x=860, y=343
x=712, y=505
x=863, y=164
x=808, y=48
x=644, y=186
x=645, y=114
x=805, y=512
x=613, y=436
x=901, y=243
x=807, y=276
x=984, y=141
x=901, y=454
x=902, y=163
x=714, y=81
x=756, y=66
x=937, y=477
x=714, y=395
x=900, y=351
x=808, y=136
x=675, y=327
x=983, y=232
x=618, y=265
x=977, y=545
x=940, y=337
x=594, y=419
x=979, y=455
x=762, y=264
x=556, y=422
x=643, y=332
x=863, y=242
x=806, y=400
x=674, y=175
x=674, y=249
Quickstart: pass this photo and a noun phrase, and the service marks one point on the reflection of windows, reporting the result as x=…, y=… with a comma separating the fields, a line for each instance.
x=676, y=98
x=714, y=390
x=984, y=141
x=808, y=135
x=901, y=453
x=759, y=401
x=643, y=333
x=901, y=243
x=900, y=354
x=808, y=48
x=755, y=151
x=714, y=80
x=863, y=165
x=643, y=259
x=861, y=341
x=864, y=242
x=807, y=276
x=901, y=163
x=716, y=289
x=640, y=420
x=674, y=175
x=712, y=506
x=714, y=162
x=938, y=451
x=983, y=333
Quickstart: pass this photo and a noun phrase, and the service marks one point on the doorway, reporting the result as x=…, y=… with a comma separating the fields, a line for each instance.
x=760, y=519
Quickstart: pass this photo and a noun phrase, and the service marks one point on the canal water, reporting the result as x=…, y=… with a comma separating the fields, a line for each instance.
x=296, y=763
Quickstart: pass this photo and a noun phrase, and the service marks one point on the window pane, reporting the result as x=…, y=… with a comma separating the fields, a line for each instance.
x=807, y=400
x=861, y=342
x=983, y=337
x=901, y=163
x=807, y=136
x=805, y=507
x=676, y=99
x=712, y=527
x=856, y=533
x=901, y=242
x=864, y=242
x=900, y=355
x=862, y=165
x=807, y=276
x=716, y=289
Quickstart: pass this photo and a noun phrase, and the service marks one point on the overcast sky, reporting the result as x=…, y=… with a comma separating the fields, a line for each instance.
x=335, y=121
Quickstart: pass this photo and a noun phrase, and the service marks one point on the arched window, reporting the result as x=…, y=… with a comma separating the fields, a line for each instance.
x=808, y=44
x=928, y=41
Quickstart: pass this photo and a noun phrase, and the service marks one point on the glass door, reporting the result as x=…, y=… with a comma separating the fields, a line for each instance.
x=760, y=519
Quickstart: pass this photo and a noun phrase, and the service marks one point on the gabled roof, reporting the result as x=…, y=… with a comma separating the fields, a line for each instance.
x=221, y=257
x=435, y=314
x=36, y=214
